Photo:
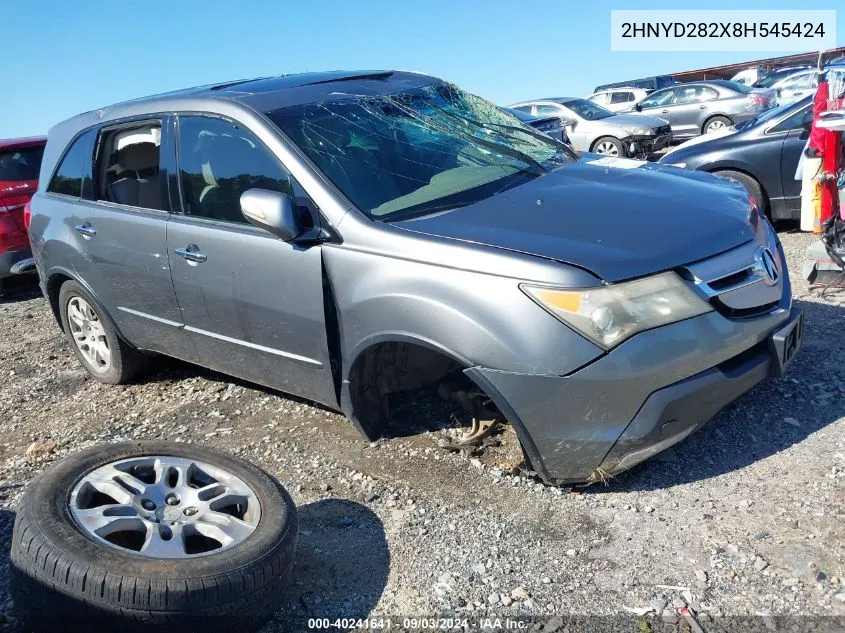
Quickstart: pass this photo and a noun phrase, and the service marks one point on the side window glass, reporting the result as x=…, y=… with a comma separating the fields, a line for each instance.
x=621, y=97
x=74, y=170
x=218, y=161
x=128, y=166
x=660, y=98
x=600, y=98
x=695, y=94
x=547, y=110
x=792, y=122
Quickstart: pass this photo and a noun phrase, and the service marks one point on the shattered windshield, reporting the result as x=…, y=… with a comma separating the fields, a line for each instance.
x=421, y=151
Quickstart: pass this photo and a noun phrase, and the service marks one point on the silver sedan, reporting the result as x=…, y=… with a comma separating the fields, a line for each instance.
x=592, y=128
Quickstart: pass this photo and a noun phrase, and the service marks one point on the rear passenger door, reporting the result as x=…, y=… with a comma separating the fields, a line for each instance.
x=252, y=303
x=117, y=227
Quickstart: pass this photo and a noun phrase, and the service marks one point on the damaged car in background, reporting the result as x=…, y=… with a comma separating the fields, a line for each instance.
x=551, y=125
x=386, y=231
x=592, y=128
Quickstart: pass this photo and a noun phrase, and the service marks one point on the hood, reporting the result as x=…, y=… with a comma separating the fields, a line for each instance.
x=617, y=218
x=628, y=120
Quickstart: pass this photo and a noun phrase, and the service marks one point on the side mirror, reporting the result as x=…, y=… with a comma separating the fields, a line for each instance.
x=567, y=122
x=638, y=108
x=272, y=211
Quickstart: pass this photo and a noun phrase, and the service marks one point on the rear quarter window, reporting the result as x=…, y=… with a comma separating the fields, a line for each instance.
x=73, y=175
x=21, y=164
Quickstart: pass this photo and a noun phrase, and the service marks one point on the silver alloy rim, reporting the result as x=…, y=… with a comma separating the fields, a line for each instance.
x=89, y=334
x=164, y=507
x=606, y=147
x=715, y=125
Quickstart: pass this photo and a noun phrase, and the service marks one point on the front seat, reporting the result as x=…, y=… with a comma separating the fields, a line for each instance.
x=138, y=185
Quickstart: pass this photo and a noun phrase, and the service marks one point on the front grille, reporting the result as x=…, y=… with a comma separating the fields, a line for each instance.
x=735, y=285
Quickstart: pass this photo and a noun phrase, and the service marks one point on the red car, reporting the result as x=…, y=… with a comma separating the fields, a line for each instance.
x=20, y=162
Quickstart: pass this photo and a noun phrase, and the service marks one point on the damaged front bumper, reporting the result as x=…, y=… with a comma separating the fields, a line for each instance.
x=645, y=395
x=646, y=145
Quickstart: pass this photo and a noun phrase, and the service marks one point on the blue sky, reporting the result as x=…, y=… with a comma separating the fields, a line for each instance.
x=77, y=55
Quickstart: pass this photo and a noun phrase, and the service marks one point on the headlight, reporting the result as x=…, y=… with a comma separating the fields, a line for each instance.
x=608, y=315
x=681, y=165
x=639, y=131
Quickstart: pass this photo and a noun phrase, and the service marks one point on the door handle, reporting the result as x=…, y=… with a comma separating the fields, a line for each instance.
x=86, y=230
x=664, y=112
x=192, y=253
x=702, y=107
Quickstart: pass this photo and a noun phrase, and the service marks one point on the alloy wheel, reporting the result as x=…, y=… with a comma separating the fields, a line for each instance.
x=164, y=507
x=89, y=334
x=606, y=147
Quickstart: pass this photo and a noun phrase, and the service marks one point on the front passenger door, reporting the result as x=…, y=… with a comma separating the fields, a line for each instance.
x=252, y=303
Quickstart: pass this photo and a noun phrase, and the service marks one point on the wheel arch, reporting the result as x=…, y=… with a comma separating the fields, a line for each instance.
x=56, y=278
x=714, y=169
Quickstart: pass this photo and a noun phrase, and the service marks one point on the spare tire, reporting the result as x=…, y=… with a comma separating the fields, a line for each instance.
x=125, y=536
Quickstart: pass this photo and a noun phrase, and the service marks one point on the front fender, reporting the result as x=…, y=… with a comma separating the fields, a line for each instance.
x=476, y=318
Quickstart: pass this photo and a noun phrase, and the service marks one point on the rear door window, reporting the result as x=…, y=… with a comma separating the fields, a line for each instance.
x=694, y=94
x=621, y=97
x=128, y=166
x=21, y=164
x=73, y=175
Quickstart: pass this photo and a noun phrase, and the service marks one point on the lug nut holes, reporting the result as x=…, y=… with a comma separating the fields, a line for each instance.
x=148, y=505
x=190, y=511
x=171, y=500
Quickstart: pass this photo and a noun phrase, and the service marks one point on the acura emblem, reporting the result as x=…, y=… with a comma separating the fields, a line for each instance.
x=765, y=266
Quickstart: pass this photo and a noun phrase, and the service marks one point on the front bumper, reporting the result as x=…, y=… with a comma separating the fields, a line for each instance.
x=648, y=393
x=9, y=259
x=645, y=145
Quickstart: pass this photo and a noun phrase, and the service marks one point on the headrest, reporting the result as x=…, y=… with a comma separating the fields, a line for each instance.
x=139, y=156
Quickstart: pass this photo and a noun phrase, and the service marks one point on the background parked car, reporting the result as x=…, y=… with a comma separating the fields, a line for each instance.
x=805, y=82
x=592, y=128
x=705, y=106
x=20, y=162
x=749, y=75
x=619, y=99
x=646, y=83
x=770, y=79
x=550, y=125
x=761, y=153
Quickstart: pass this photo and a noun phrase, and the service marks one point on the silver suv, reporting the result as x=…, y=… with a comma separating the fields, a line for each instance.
x=345, y=236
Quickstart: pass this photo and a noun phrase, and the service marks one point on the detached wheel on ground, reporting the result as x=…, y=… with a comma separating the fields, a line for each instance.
x=93, y=338
x=716, y=123
x=610, y=146
x=127, y=536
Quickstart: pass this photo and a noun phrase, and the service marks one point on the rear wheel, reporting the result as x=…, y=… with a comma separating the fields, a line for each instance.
x=609, y=146
x=754, y=189
x=93, y=338
x=716, y=123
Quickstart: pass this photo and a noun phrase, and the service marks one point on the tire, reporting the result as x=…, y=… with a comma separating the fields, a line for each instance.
x=715, y=123
x=754, y=189
x=125, y=362
x=63, y=579
x=609, y=146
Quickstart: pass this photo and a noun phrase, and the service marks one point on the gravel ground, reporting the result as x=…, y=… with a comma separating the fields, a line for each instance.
x=744, y=518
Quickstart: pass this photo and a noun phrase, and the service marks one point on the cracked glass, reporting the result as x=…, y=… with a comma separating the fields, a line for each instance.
x=420, y=151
